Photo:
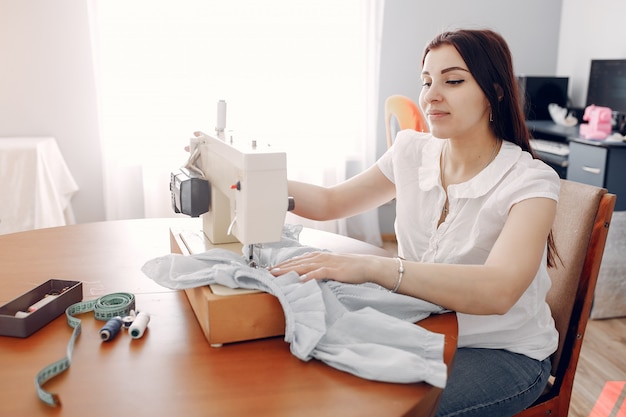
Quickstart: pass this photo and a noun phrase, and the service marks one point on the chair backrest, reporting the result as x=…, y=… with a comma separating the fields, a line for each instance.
x=580, y=229
x=402, y=113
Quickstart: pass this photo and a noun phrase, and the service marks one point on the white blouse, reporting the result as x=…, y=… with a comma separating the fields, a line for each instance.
x=478, y=210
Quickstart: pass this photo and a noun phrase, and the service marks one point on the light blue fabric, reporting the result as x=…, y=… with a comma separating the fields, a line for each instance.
x=362, y=329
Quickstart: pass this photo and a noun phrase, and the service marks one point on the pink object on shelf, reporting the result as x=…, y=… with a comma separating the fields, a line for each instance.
x=599, y=123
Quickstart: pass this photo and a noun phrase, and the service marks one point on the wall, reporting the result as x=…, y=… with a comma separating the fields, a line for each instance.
x=47, y=85
x=589, y=30
x=47, y=88
x=531, y=27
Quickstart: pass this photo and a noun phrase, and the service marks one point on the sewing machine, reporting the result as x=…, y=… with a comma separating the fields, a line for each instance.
x=239, y=187
x=598, y=124
x=240, y=191
x=247, y=184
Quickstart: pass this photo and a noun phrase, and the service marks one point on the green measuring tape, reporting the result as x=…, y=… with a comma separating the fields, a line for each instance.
x=104, y=308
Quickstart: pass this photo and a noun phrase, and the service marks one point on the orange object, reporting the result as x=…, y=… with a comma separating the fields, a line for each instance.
x=402, y=113
x=607, y=403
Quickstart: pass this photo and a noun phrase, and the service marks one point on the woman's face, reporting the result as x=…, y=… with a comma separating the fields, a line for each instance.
x=451, y=99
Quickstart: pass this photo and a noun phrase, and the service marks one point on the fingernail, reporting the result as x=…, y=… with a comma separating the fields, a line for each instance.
x=275, y=270
x=303, y=277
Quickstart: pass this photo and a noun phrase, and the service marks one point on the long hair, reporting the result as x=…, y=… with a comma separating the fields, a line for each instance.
x=488, y=59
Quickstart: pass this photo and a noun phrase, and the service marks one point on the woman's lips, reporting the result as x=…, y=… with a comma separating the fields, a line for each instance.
x=436, y=114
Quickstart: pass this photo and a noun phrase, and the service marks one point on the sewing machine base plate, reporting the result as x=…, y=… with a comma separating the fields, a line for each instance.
x=228, y=318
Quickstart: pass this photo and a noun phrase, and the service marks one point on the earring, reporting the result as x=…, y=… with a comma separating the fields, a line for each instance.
x=490, y=115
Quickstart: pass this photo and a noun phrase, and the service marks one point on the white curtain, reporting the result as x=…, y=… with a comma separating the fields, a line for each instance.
x=301, y=75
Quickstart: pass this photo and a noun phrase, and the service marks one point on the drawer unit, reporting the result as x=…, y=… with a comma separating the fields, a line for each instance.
x=599, y=163
x=587, y=164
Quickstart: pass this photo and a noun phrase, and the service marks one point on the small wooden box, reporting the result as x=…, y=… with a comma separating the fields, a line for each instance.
x=227, y=315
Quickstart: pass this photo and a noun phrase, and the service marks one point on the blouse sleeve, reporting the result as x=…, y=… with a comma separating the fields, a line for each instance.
x=385, y=164
x=537, y=180
x=404, y=140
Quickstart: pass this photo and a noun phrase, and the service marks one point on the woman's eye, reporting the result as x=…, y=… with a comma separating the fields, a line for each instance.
x=455, y=82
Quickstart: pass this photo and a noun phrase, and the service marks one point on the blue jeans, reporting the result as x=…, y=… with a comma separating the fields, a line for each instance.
x=490, y=382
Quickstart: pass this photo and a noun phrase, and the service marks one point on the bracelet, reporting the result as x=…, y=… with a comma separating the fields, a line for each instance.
x=400, y=273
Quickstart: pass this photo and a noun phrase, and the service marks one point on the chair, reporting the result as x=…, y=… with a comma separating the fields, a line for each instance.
x=580, y=229
x=402, y=113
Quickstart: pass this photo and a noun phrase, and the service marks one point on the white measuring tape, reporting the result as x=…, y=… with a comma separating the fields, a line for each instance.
x=104, y=308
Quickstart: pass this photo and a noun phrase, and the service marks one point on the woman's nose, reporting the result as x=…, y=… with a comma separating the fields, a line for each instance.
x=430, y=94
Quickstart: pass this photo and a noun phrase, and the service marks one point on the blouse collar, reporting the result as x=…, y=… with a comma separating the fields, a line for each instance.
x=480, y=184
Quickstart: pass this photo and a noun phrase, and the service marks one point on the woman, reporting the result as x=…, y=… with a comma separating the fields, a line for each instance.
x=474, y=211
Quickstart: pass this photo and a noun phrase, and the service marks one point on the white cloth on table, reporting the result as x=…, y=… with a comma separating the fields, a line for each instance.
x=362, y=329
x=35, y=183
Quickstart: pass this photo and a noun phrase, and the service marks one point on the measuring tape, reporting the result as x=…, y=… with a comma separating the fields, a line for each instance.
x=104, y=308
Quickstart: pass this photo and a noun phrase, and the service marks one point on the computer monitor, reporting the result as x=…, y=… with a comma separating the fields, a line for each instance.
x=537, y=92
x=607, y=84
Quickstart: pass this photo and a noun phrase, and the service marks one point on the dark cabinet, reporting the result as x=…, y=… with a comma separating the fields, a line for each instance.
x=596, y=162
x=599, y=163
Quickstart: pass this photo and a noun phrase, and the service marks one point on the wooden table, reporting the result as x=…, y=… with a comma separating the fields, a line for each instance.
x=171, y=371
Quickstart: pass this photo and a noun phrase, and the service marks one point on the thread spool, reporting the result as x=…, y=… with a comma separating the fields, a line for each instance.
x=47, y=299
x=139, y=325
x=128, y=321
x=111, y=328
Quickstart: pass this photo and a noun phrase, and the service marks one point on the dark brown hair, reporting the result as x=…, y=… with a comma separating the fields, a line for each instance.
x=488, y=59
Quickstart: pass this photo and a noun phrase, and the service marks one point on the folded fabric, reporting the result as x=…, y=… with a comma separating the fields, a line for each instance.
x=362, y=329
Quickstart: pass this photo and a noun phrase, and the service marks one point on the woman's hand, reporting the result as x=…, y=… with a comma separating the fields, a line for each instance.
x=353, y=269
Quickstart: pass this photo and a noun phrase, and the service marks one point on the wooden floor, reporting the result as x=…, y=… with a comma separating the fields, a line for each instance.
x=602, y=359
